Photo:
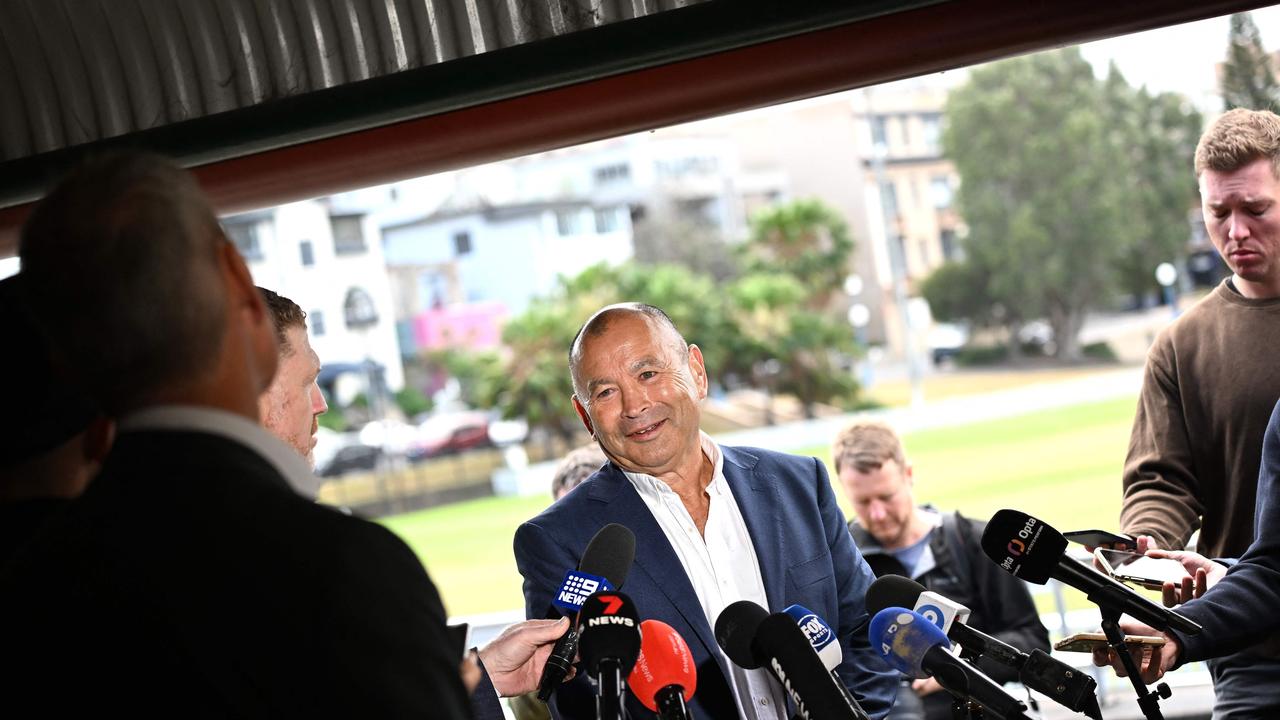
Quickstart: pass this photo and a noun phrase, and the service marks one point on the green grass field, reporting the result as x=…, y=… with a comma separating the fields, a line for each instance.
x=1062, y=466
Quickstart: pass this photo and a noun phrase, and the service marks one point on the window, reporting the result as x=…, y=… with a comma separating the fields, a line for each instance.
x=358, y=309
x=606, y=220
x=568, y=222
x=940, y=190
x=889, y=199
x=611, y=173
x=348, y=234
x=462, y=243
x=947, y=239
x=245, y=237
x=879, y=136
x=932, y=124
x=308, y=253
x=316, y=321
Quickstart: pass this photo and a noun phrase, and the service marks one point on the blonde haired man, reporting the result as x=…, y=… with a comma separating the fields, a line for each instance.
x=1210, y=386
x=942, y=551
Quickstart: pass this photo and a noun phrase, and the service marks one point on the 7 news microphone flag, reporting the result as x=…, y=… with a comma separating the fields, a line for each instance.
x=609, y=648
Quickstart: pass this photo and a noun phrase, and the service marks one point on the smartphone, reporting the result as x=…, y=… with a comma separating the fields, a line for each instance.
x=1148, y=572
x=1088, y=642
x=1102, y=538
x=460, y=638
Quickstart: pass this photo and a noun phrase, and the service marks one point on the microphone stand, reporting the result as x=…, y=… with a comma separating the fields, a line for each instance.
x=962, y=708
x=1147, y=700
x=610, y=691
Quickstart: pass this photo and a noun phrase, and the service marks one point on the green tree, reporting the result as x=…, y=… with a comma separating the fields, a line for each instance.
x=1154, y=137
x=785, y=346
x=806, y=240
x=1039, y=187
x=1247, y=77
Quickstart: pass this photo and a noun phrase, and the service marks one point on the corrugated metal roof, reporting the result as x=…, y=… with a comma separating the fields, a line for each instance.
x=76, y=71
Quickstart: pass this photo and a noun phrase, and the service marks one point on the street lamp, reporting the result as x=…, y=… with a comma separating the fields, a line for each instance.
x=859, y=316
x=1167, y=275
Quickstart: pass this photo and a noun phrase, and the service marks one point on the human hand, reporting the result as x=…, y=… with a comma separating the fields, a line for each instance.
x=927, y=686
x=514, y=659
x=1202, y=574
x=470, y=672
x=1152, y=661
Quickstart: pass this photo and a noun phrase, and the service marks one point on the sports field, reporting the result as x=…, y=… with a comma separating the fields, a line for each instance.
x=1062, y=466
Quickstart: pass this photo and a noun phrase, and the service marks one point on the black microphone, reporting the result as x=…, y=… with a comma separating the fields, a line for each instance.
x=1029, y=549
x=1038, y=670
x=753, y=638
x=609, y=647
x=914, y=646
x=609, y=555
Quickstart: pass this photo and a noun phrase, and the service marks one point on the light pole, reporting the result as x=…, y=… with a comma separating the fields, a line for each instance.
x=859, y=315
x=898, y=267
x=1167, y=275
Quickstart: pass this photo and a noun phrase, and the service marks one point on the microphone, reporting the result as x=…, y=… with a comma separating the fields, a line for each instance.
x=912, y=645
x=1029, y=549
x=753, y=638
x=1039, y=671
x=823, y=640
x=609, y=646
x=664, y=677
x=604, y=565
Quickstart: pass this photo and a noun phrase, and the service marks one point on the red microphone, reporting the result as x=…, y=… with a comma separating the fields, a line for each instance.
x=664, y=676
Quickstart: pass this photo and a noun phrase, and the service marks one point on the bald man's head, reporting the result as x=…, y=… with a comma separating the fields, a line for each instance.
x=597, y=324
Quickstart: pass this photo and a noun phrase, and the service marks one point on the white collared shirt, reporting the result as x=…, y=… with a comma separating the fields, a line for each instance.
x=195, y=418
x=721, y=565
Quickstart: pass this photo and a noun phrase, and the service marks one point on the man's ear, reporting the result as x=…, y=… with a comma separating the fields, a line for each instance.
x=698, y=367
x=582, y=413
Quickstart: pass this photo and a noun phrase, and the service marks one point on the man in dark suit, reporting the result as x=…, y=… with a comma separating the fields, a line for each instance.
x=713, y=524
x=53, y=437
x=190, y=579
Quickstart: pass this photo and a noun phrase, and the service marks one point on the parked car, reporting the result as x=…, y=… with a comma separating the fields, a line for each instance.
x=447, y=433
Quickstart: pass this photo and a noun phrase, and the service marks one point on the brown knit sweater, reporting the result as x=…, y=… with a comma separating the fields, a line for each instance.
x=1211, y=381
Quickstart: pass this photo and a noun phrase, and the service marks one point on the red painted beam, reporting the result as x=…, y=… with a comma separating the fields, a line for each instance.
x=944, y=36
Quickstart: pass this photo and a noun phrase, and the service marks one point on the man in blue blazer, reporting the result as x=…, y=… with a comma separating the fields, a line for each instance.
x=713, y=524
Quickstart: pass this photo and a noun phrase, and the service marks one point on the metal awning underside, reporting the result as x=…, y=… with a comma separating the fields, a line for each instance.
x=279, y=99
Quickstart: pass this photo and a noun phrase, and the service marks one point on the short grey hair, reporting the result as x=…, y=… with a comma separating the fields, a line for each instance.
x=599, y=322
x=121, y=260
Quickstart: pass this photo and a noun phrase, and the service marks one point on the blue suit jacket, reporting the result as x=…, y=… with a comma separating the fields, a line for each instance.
x=803, y=545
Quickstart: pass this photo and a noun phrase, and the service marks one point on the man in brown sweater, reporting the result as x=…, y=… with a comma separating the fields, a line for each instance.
x=1210, y=384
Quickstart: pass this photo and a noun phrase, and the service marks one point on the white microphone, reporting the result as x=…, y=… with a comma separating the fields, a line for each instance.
x=941, y=611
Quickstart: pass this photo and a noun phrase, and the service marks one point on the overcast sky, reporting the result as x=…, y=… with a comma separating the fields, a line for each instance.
x=1180, y=58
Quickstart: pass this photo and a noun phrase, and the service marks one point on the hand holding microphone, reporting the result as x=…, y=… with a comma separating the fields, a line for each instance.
x=604, y=565
x=1027, y=548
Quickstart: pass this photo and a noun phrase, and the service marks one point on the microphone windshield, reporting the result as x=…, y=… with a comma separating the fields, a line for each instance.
x=610, y=629
x=610, y=554
x=664, y=660
x=736, y=629
x=1023, y=546
x=902, y=637
x=892, y=591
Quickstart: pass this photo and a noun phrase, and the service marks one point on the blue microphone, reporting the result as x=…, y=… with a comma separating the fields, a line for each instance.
x=911, y=644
